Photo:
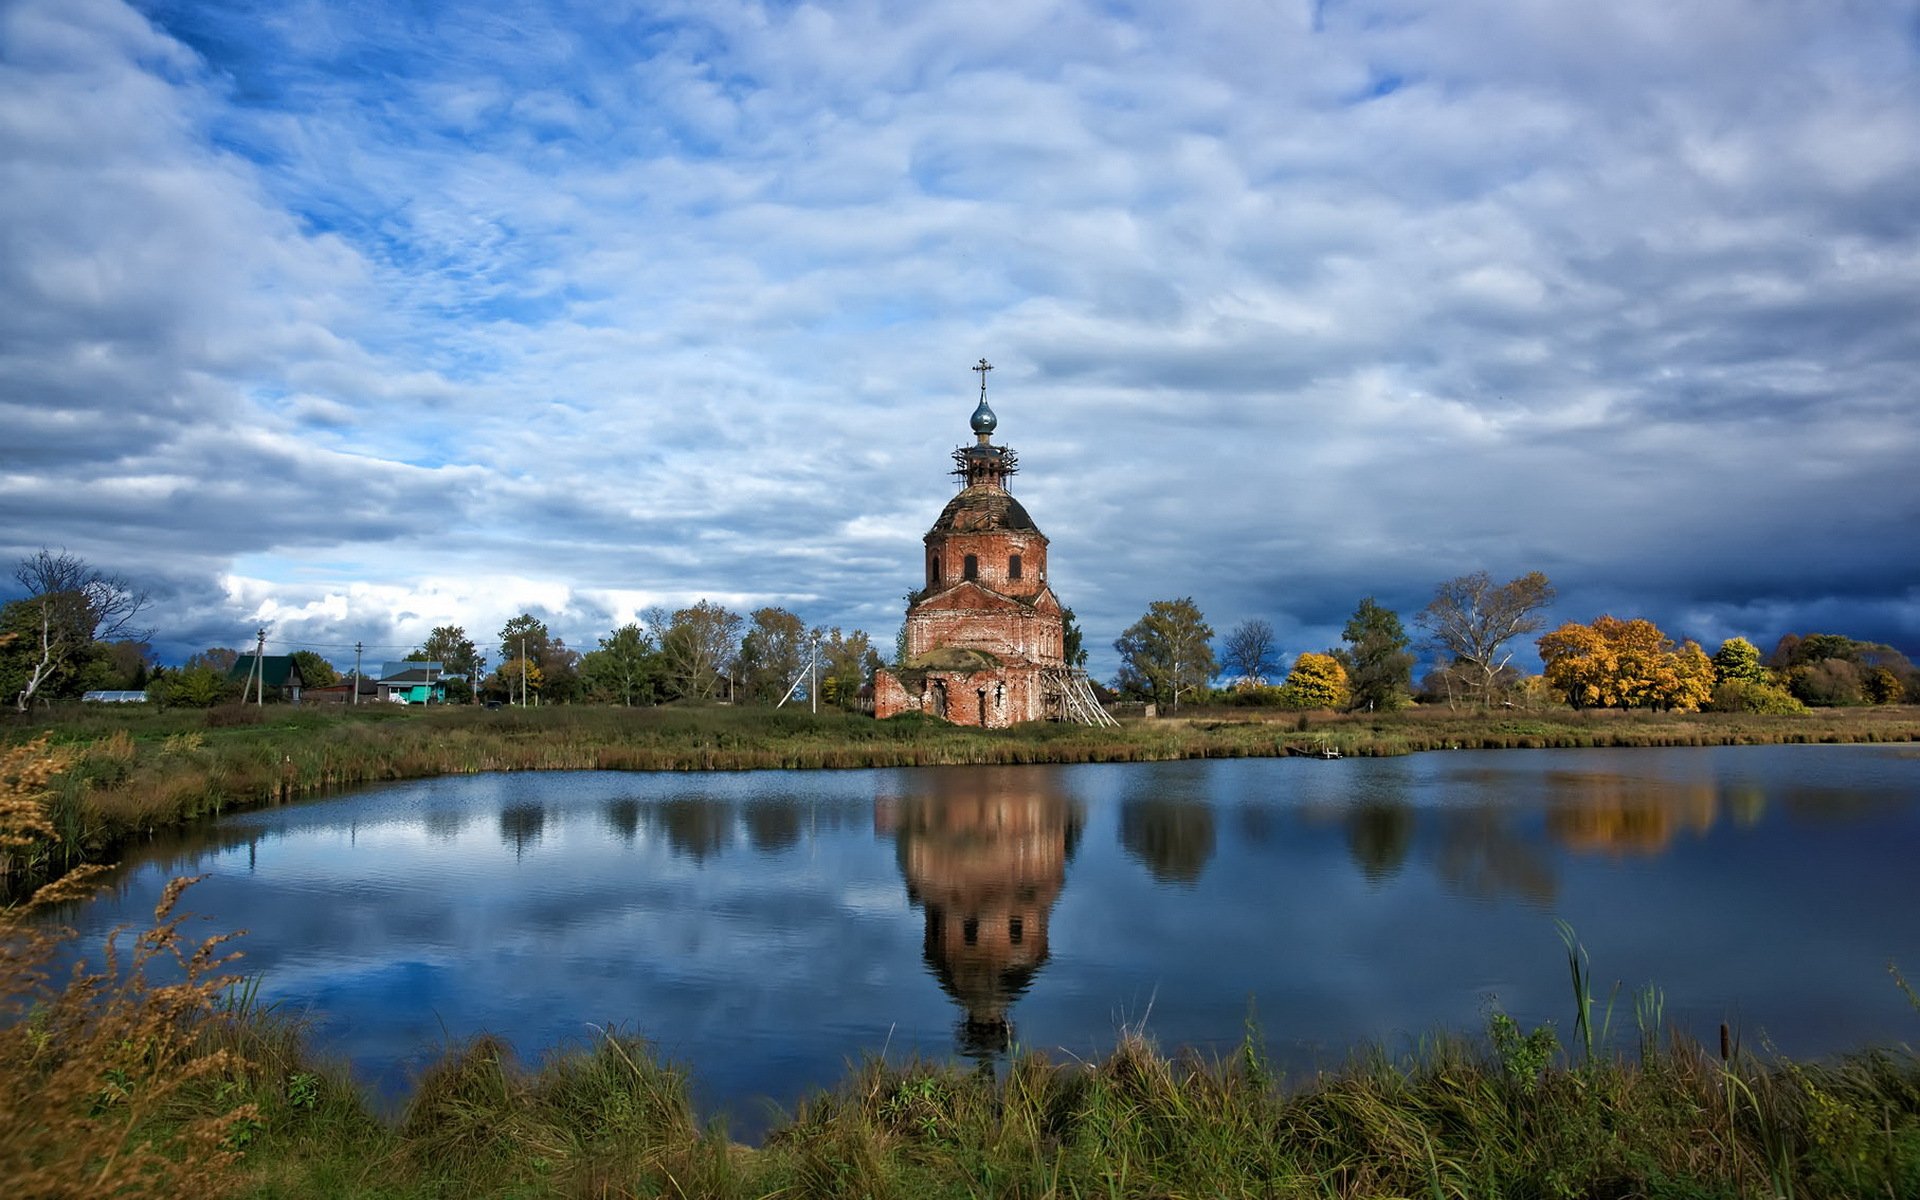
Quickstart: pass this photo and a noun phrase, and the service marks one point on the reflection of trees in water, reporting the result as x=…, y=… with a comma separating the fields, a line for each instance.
x=1480, y=855
x=696, y=826
x=1173, y=838
x=1258, y=824
x=1624, y=814
x=984, y=853
x=1379, y=834
x=623, y=818
x=521, y=825
x=772, y=825
x=444, y=823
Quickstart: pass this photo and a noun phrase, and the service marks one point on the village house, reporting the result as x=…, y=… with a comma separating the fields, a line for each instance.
x=278, y=671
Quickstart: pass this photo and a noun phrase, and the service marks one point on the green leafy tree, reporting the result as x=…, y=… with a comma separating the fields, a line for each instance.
x=1167, y=653
x=460, y=657
x=847, y=664
x=1471, y=621
x=196, y=685
x=525, y=645
x=1316, y=681
x=1072, y=641
x=700, y=646
x=624, y=669
x=773, y=651
x=1379, y=666
x=1738, y=661
x=314, y=670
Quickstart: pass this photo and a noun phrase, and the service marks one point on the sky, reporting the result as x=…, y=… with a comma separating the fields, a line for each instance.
x=351, y=319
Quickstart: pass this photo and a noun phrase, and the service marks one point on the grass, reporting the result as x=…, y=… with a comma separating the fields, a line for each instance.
x=120, y=1085
x=133, y=773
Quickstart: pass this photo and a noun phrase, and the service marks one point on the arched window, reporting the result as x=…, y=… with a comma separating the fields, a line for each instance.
x=1013, y=567
x=970, y=567
x=933, y=571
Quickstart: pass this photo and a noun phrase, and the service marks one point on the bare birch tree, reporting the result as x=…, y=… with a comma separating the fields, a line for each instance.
x=1471, y=621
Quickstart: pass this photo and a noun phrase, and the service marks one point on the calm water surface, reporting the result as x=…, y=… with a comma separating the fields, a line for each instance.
x=766, y=927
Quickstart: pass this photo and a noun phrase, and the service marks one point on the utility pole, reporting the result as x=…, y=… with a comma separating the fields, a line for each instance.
x=357, y=647
x=523, y=670
x=260, y=670
x=813, y=689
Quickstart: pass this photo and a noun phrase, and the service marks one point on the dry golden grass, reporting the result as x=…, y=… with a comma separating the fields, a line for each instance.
x=95, y=1065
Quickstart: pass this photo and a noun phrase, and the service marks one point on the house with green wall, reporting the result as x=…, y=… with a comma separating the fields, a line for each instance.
x=413, y=682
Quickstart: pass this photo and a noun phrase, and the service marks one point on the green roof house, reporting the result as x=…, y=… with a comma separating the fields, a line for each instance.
x=276, y=671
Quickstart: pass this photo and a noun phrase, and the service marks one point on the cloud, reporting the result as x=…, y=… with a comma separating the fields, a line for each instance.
x=1290, y=305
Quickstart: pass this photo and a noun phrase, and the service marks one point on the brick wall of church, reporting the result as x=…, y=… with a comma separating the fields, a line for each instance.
x=1004, y=697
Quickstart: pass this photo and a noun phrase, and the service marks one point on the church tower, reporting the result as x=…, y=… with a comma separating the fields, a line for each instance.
x=985, y=635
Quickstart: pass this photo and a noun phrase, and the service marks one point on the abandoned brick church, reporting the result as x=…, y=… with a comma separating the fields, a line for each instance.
x=985, y=638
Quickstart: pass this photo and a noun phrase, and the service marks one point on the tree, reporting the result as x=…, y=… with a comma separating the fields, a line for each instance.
x=1316, y=681
x=847, y=665
x=314, y=670
x=1072, y=648
x=450, y=646
x=69, y=606
x=214, y=658
x=775, y=649
x=1247, y=652
x=625, y=668
x=1738, y=661
x=1471, y=621
x=1379, y=669
x=1625, y=664
x=196, y=685
x=1830, y=669
x=1166, y=652
x=525, y=643
x=699, y=647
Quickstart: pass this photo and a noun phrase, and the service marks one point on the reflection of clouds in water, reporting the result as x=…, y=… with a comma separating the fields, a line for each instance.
x=872, y=900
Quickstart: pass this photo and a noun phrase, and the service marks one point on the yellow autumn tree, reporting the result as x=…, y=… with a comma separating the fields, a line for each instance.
x=1625, y=664
x=1580, y=666
x=1316, y=681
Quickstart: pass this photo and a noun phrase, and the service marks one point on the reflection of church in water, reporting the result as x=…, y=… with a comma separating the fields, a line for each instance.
x=984, y=851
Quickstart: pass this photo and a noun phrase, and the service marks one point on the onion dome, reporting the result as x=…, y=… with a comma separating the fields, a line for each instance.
x=984, y=422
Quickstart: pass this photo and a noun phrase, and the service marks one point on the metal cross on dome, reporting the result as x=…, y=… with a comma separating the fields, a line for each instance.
x=983, y=367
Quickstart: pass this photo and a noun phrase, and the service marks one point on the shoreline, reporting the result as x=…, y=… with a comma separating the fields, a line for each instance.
x=132, y=775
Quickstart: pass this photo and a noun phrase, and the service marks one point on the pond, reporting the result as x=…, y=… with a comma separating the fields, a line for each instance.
x=765, y=928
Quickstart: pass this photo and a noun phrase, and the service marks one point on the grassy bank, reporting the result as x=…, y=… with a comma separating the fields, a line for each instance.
x=135, y=772
x=1506, y=1117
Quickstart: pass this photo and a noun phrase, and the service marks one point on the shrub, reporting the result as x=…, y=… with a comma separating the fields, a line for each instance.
x=1738, y=696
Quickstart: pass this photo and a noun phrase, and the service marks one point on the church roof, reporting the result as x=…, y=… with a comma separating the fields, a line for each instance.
x=983, y=509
